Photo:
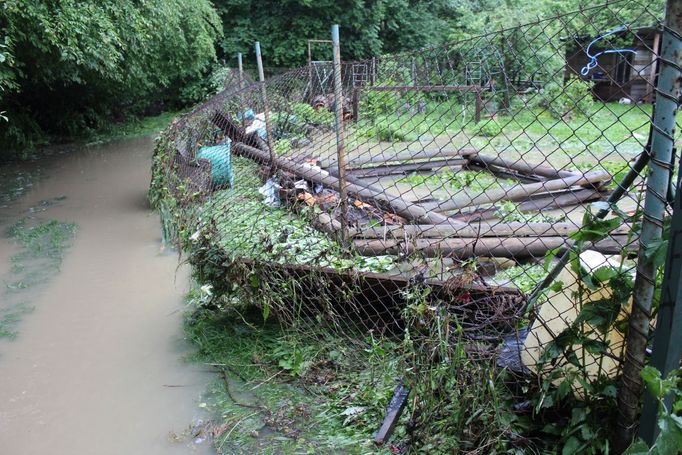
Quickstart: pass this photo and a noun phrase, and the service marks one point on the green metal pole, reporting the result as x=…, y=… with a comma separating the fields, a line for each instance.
x=655, y=203
x=668, y=335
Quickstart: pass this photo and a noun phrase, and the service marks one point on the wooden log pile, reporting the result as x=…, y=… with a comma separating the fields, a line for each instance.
x=460, y=226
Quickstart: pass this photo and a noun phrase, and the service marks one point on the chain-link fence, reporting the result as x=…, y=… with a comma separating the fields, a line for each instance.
x=421, y=210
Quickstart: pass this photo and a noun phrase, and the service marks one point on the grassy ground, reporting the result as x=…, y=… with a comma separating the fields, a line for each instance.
x=609, y=130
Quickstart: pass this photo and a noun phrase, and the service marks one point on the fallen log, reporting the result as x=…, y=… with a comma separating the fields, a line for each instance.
x=382, y=157
x=474, y=230
x=521, y=166
x=397, y=204
x=237, y=134
x=511, y=247
x=524, y=191
x=567, y=199
x=401, y=169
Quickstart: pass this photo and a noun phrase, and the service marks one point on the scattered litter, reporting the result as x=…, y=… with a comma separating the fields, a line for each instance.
x=270, y=191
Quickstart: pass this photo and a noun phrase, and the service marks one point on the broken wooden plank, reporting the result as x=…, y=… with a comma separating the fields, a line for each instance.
x=524, y=191
x=464, y=248
x=397, y=204
x=393, y=413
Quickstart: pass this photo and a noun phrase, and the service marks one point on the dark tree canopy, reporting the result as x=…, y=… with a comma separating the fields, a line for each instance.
x=368, y=27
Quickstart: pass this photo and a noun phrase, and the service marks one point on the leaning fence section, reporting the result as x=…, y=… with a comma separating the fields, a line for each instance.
x=426, y=195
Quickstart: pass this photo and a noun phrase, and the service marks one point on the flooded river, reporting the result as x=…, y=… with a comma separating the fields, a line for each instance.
x=96, y=365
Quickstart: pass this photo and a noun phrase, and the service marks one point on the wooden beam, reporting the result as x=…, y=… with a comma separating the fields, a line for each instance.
x=570, y=198
x=524, y=191
x=511, y=247
x=393, y=412
x=379, y=157
x=521, y=166
x=473, y=230
x=401, y=169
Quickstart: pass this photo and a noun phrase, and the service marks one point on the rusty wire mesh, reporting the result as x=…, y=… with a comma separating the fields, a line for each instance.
x=468, y=168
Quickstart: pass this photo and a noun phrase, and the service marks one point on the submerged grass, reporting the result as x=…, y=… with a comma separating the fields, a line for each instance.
x=42, y=245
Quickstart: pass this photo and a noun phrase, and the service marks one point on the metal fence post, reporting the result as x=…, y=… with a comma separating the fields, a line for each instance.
x=662, y=142
x=266, y=107
x=241, y=87
x=340, y=152
x=668, y=336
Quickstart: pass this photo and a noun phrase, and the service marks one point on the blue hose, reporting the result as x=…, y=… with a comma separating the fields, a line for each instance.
x=593, y=58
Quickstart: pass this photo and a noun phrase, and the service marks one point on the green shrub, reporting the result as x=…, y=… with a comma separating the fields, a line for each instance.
x=491, y=128
x=572, y=97
x=385, y=132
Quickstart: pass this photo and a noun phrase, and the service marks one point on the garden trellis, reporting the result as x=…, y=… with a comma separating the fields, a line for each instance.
x=476, y=194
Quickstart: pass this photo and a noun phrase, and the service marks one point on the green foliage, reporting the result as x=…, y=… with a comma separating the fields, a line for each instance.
x=669, y=439
x=70, y=65
x=310, y=388
x=385, y=131
x=524, y=277
x=305, y=113
x=588, y=429
x=488, y=128
x=463, y=403
x=248, y=228
x=374, y=104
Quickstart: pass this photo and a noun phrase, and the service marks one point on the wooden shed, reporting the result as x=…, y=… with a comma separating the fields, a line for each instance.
x=619, y=75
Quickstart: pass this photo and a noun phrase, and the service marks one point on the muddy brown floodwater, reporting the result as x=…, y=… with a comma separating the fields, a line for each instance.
x=97, y=365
